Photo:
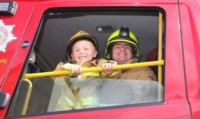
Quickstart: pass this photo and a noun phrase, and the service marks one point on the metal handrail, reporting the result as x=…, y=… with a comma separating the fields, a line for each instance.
x=160, y=54
x=28, y=95
x=94, y=69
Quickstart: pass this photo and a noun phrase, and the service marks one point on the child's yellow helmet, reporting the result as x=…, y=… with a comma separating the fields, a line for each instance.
x=80, y=35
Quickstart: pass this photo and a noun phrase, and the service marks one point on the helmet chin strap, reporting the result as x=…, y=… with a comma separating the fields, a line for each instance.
x=73, y=61
x=132, y=56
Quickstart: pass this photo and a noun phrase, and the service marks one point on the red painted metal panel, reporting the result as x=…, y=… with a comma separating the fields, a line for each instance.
x=173, y=110
x=106, y=1
x=189, y=12
x=20, y=20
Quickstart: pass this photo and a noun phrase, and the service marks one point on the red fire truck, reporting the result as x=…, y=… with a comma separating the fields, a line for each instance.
x=33, y=40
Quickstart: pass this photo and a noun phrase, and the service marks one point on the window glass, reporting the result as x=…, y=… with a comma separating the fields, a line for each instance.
x=39, y=95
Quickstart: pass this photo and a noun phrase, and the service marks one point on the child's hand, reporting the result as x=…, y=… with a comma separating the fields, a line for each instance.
x=76, y=70
x=107, y=67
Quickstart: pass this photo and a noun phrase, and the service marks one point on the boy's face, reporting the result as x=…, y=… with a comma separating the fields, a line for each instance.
x=83, y=51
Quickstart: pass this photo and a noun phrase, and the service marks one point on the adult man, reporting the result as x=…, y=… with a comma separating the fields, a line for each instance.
x=122, y=47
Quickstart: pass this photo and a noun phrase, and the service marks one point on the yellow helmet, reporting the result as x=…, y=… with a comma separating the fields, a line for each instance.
x=122, y=35
x=80, y=35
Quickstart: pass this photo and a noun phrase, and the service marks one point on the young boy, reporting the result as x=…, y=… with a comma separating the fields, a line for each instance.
x=81, y=90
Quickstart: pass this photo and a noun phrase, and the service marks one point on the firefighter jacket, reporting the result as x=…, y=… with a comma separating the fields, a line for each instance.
x=78, y=93
x=133, y=86
x=138, y=73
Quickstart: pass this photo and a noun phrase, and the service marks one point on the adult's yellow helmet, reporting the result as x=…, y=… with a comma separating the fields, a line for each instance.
x=80, y=35
x=122, y=35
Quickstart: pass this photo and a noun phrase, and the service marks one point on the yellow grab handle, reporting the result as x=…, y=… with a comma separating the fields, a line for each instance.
x=160, y=54
x=94, y=69
x=28, y=96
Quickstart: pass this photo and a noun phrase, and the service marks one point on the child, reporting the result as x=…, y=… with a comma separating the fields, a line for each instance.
x=81, y=91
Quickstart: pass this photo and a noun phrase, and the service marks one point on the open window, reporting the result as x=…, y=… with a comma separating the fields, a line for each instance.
x=37, y=93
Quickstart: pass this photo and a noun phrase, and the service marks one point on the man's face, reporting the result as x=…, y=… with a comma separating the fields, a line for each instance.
x=121, y=52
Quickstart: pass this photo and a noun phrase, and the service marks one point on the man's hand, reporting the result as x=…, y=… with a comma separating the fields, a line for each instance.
x=107, y=67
